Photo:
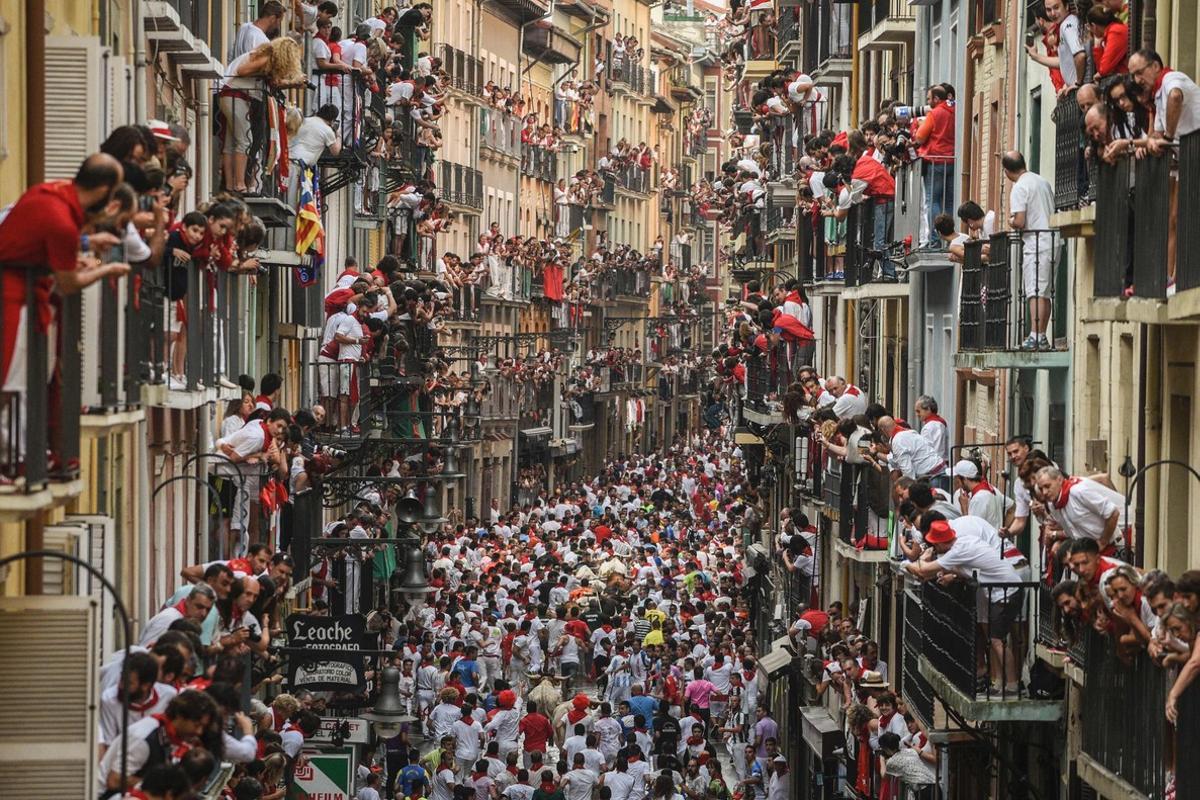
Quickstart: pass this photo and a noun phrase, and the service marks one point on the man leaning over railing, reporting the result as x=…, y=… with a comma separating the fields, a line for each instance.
x=45, y=229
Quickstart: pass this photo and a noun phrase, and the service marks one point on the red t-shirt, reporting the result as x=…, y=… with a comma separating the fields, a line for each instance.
x=880, y=183
x=41, y=230
x=537, y=730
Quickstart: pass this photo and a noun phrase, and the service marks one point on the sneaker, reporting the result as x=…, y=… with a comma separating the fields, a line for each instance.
x=1171, y=288
x=177, y=383
x=1043, y=343
x=225, y=383
x=1030, y=343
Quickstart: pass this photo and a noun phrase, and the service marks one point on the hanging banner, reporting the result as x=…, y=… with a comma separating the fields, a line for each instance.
x=323, y=776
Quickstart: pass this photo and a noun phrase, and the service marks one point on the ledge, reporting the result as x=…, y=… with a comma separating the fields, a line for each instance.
x=1106, y=783
x=102, y=422
x=852, y=553
x=1115, y=309
x=1076, y=222
x=989, y=710
x=762, y=418
x=1013, y=359
x=17, y=505
x=875, y=291
x=1185, y=305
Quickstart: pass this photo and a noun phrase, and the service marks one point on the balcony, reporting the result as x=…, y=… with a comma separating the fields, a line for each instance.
x=198, y=364
x=864, y=503
x=1125, y=741
x=40, y=423
x=827, y=42
x=1074, y=185
x=583, y=412
x=957, y=663
x=551, y=44
x=994, y=318
x=464, y=71
x=683, y=86
x=779, y=132
x=499, y=135
x=633, y=179
x=539, y=162
x=789, y=38
x=888, y=24
x=265, y=192
x=460, y=185
x=626, y=283
x=522, y=11
x=767, y=378
x=626, y=76
x=571, y=218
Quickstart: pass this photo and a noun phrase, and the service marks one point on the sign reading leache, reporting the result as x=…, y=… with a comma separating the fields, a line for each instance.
x=331, y=660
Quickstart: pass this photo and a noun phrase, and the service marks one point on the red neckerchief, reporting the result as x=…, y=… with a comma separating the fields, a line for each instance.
x=548, y=787
x=267, y=437
x=574, y=715
x=144, y=706
x=1158, y=81
x=852, y=390
x=935, y=418
x=477, y=775
x=1064, y=494
x=181, y=607
x=884, y=719
x=180, y=746
x=982, y=486
x=262, y=399
x=138, y=793
x=291, y=727
x=239, y=565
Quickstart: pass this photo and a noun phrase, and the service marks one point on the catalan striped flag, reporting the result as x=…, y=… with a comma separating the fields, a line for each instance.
x=310, y=233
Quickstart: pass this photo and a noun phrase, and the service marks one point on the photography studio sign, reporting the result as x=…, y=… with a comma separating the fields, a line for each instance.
x=324, y=652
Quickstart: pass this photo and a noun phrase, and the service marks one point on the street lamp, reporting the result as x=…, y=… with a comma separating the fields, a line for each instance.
x=389, y=715
x=1133, y=475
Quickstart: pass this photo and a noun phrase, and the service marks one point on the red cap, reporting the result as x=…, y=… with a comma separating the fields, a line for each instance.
x=940, y=532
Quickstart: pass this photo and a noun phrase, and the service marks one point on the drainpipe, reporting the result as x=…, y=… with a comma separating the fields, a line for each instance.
x=35, y=95
x=139, y=62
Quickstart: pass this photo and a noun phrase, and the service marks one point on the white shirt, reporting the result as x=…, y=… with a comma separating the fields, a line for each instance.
x=579, y=783
x=443, y=785
x=310, y=141
x=976, y=528
x=987, y=504
x=249, y=36
x=353, y=51
x=934, y=432
x=970, y=556
x=1088, y=506
x=852, y=403
x=1034, y=195
x=1189, y=115
x=111, y=710
x=621, y=784
x=158, y=625
x=913, y=456
x=1070, y=42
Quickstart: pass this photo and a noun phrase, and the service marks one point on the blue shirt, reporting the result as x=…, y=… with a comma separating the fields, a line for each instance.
x=410, y=778
x=466, y=669
x=644, y=705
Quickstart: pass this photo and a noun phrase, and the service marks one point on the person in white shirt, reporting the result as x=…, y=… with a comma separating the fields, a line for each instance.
x=849, y=400
x=316, y=133
x=196, y=607
x=933, y=427
x=468, y=742
x=1083, y=508
x=911, y=455
x=1071, y=57
x=443, y=778
x=147, y=697
x=1031, y=204
x=971, y=557
x=975, y=495
x=250, y=444
x=579, y=782
x=261, y=31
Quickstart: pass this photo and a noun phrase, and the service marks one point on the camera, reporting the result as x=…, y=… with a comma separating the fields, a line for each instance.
x=910, y=112
x=253, y=633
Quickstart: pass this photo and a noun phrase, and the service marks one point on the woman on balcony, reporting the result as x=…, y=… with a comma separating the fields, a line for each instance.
x=244, y=104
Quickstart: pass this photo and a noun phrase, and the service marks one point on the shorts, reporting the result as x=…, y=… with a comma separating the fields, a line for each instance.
x=327, y=376
x=176, y=316
x=1037, y=270
x=238, y=131
x=1003, y=613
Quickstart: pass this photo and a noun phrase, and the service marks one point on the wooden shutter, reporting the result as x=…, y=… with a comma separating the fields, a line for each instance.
x=73, y=94
x=61, y=577
x=98, y=539
x=48, y=697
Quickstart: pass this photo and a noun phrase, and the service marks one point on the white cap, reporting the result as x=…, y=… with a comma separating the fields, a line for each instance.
x=966, y=469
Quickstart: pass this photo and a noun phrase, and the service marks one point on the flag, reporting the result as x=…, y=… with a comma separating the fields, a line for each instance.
x=310, y=233
x=760, y=5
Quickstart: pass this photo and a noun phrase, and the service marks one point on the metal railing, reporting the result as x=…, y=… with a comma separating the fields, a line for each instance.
x=768, y=375
x=914, y=684
x=43, y=418
x=634, y=179
x=1133, y=221
x=826, y=27
x=464, y=70
x=951, y=641
x=1187, y=241
x=884, y=10
x=245, y=138
x=625, y=282
x=999, y=278
x=789, y=25
x=583, y=409
x=1070, y=175
x=539, y=162
x=608, y=192
x=1187, y=733
x=500, y=132
x=1124, y=727
x=623, y=70
x=460, y=184
x=783, y=154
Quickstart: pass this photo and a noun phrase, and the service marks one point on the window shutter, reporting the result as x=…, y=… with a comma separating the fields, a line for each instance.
x=48, y=697
x=117, y=111
x=73, y=92
x=89, y=346
x=59, y=576
x=99, y=541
